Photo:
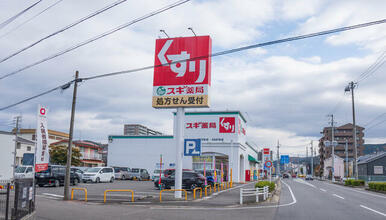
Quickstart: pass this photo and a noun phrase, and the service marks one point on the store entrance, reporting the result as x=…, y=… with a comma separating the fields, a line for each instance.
x=211, y=161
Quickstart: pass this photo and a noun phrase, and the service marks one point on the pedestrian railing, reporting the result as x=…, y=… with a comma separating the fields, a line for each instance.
x=83, y=189
x=172, y=190
x=118, y=190
x=254, y=192
x=206, y=189
x=194, y=192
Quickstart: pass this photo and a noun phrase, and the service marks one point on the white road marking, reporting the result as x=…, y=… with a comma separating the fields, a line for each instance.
x=235, y=208
x=359, y=191
x=304, y=182
x=323, y=190
x=54, y=195
x=378, y=212
x=340, y=197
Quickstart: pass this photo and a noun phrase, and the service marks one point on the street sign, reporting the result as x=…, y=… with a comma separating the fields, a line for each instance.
x=192, y=147
x=179, y=83
x=284, y=159
x=266, y=150
x=268, y=163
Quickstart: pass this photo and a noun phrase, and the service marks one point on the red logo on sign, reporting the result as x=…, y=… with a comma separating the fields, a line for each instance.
x=266, y=150
x=42, y=111
x=168, y=53
x=227, y=125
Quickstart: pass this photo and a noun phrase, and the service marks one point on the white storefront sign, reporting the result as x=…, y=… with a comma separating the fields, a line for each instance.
x=42, y=156
x=378, y=169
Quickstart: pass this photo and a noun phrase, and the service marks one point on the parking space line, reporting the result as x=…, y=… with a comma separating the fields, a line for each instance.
x=378, y=212
x=323, y=190
x=340, y=197
x=54, y=195
x=359, y=191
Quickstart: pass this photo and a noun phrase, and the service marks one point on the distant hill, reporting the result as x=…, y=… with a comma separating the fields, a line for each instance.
x=373, y=148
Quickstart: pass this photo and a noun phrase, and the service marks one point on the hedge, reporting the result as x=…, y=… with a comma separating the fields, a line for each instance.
x=378, y=186
x=353, y=182
x=261, y=184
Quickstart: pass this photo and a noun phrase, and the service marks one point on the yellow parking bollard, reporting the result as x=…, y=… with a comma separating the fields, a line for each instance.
x=85, y=193
x=215, y=187
x=118, y=190
x=194, y=192
x=210, y=190
x=173, y=190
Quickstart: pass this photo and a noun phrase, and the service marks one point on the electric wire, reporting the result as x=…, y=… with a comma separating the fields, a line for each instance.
x=97, y=37
x=210, y=55
x=64, y=28
x=373, y=68
x=9, y=20
x=374, y=119
x=30, y=19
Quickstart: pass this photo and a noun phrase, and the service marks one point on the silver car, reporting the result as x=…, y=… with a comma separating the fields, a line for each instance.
x=122, y=173
x=139, y=174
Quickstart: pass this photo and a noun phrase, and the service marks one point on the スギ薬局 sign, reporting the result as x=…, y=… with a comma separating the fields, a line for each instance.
x=181, y=83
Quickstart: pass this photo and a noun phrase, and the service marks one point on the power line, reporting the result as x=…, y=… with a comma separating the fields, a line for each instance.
x=97, y=37
x=374, y=119
x=30, y=19
x=210, y=55
x=9, y=20
x=64, y=29
x=373, y=67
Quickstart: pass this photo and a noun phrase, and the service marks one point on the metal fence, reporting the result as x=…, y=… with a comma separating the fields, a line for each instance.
x=373, y=178
x=17, y=200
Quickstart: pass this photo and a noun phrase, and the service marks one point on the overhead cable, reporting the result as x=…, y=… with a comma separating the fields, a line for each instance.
x=9, y=20
x=64, y=29
x=215, y=54
x=97, y=37
x=30, y=19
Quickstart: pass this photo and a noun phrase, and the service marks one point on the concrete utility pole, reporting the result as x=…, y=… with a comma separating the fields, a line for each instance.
x=17, y=121
x=352, y=86
x=346, y=149
x=69, y=149
x=332, y=147
x=278, y=160
x=306, y=159
x=312, y=159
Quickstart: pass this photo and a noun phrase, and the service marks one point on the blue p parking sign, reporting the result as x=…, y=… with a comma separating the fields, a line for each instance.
x=192, y=147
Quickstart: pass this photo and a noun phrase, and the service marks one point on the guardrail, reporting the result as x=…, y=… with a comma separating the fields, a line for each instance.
x=85, y=193
x=118, y=190
x=194, y=192
x=206, y=188
x=172, y=190
x=214, y=187
x=254, y=192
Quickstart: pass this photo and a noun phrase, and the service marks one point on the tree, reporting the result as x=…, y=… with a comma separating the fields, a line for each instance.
x=58, y=155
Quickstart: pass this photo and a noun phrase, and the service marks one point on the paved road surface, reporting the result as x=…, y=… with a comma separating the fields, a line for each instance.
x=299, y=200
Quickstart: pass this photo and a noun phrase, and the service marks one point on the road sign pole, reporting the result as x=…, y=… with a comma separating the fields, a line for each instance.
x=180, y=117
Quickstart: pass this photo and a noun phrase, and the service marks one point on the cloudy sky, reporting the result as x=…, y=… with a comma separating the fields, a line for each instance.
x=285, y=90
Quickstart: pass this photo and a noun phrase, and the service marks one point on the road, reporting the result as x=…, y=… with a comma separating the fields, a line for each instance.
x=299, y=200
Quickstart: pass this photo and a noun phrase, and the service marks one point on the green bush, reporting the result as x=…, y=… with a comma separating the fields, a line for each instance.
x=352, y=182
x=261, y=184
x=379, y=186
x=348, y=182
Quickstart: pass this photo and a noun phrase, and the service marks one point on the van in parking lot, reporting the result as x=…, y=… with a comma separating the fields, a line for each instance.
x=122, y=173
x=54, y=176
x=22, y=172
x=99, y=174
x=139, y=174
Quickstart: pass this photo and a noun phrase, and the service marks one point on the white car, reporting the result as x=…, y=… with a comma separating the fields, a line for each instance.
x=99, y=174
x=23, y=172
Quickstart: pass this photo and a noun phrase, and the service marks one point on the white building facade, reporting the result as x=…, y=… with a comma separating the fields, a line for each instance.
x=338, y=167
x=223, y=147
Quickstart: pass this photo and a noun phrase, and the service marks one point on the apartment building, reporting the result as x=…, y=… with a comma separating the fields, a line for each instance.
x=139, y=130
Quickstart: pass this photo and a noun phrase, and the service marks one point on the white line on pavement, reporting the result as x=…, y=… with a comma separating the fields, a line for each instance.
x=323, y=190
x=304, y=182
x=359, y=191
x=54, y=195
x=340, y=197
x=235, y=208
x=373, y=210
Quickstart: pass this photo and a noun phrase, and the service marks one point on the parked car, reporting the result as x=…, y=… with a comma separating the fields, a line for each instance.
x=190, y=181
x=293, y=175
x=309, y=177
x=78, y=171
x=169, y=172
x=22, y=172
x=285, y=175
x=54, y=176
x=156, y=174
x=99, y=174
x=139, y=174
x=122, y=173
x=209, y=174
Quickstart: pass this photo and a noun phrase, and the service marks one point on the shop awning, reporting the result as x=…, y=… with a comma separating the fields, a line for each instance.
x=250, y=158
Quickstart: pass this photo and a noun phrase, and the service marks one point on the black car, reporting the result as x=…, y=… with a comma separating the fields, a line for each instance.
x=54, y=176
x=285, y=175
x=190, y=181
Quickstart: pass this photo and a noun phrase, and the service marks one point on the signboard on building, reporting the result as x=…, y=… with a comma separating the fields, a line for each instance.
x=192, y=147
x=179, y=83
x=42, y=152
x=215, y=126
x=378, y=170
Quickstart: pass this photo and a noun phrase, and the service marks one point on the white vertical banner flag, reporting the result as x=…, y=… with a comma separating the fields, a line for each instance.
x=42, y=156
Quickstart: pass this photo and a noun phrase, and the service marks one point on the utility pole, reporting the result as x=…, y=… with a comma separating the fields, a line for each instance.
x=69, y=149
x=312, y=159
x=17, y=121
x=306, y=159
x=278, y=160
x=352, y=86
x=346, y=149
x=332, y=147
